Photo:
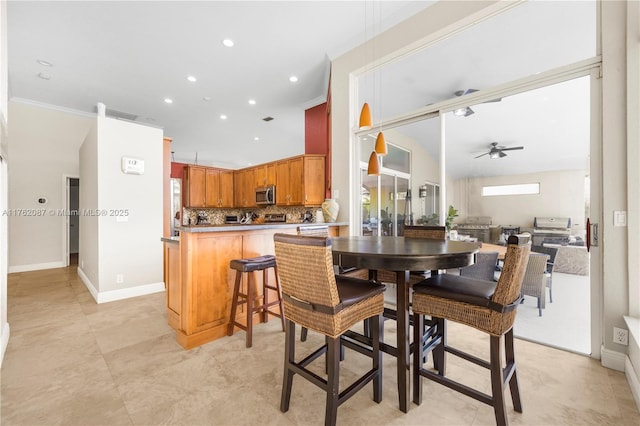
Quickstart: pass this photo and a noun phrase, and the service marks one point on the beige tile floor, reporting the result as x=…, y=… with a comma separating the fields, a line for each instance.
x=73, y=362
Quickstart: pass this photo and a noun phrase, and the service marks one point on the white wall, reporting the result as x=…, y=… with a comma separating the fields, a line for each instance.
x=131, y=248
x=44, y=144
x=4, y=187
x=88, y=240
x=613, y=240
x=561, y=194
x=110, y=247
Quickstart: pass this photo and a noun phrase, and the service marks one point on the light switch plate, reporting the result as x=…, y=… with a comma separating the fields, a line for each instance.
x=619, y=218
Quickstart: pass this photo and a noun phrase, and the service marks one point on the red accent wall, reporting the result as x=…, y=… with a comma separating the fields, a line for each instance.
x=317, y=139
x=315, y=130
x=177, y=170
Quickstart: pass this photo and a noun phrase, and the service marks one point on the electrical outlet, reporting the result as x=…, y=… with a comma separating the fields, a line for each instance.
x=620, y=336
x=119, y=279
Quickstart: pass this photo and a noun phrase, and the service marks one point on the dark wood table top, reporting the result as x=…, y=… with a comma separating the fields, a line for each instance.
x=401, y=254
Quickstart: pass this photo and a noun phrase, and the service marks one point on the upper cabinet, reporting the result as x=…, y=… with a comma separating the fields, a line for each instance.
x=265, y=174
x=194, y=179
x=245, y=188
x=219, y=188
x=207, y=187
x=300, y=181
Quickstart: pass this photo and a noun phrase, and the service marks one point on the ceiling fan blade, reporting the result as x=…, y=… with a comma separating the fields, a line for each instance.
x=482, y=155
x=512, y=148
x=502, y=154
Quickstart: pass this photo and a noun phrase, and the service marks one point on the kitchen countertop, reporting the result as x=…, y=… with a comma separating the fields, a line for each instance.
x=251, y=227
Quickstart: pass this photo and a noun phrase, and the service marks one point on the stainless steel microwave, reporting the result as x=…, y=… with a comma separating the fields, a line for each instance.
x=266, y=195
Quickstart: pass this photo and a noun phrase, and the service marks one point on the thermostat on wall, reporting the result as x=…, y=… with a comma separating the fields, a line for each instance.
x=133, y=166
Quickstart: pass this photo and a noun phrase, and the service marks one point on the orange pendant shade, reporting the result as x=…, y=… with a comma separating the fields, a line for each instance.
x=365, y=117
x=381, y=144
x=374, y=165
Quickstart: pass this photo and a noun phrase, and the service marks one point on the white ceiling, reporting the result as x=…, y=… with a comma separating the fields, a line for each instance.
x=132, y=55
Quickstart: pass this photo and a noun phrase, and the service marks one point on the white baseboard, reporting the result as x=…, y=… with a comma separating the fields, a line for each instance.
x=36, y=267
x=4, y=341
x=127, y=293
x=612, y=359
x=88, y=284
x=120, y=294
x=634, y=381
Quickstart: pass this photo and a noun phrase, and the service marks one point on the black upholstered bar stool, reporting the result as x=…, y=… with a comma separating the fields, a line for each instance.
x=250, y=266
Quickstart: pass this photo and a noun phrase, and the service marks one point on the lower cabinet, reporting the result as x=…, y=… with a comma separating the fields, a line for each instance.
x=199, y=305
x=172, y=282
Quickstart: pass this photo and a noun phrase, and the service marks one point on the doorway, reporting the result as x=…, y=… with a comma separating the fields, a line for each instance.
x=73, y=220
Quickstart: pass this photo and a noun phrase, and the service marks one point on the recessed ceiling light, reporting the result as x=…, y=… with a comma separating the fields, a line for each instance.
x=44, y=76
x=256, y=138
x=206, y=98
x=192, y=79
x=228, y=42
x=168, y=101
x=293, y=79
x=223, y=117
x=45, y=63
x=252, y=101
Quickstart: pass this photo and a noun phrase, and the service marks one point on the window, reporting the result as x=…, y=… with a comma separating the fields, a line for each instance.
x=519, y=189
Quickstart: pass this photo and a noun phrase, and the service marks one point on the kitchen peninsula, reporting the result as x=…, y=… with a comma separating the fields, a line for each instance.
x=199, y=282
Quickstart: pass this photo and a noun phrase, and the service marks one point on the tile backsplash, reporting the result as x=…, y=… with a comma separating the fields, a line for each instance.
x=216, y=216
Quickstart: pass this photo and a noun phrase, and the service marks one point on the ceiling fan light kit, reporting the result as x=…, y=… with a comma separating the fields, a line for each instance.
x=497, y=151
x=463, y=112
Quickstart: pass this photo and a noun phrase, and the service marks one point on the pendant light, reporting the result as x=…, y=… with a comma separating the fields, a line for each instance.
x=381, y=144
x=365, y=117
x=373, y=168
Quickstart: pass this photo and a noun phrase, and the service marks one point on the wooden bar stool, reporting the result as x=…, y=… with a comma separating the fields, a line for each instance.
x=250, y=266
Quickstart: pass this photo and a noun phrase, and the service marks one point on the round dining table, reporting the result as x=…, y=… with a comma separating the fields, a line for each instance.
x=402, y=255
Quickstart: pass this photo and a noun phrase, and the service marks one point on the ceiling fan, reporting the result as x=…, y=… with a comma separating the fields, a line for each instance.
x=496, y=151
x=467, y=111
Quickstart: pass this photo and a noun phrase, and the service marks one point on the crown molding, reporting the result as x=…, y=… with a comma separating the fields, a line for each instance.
x=53, y=107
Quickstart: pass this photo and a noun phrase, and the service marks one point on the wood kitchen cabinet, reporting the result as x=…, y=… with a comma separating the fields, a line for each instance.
x=244, y=186
x=265, y=174
x=207, y=187
x=219, y=188
x=300, y=181
x=194, y=186
x=200, y=283
x=206, y=285
x=172, y=282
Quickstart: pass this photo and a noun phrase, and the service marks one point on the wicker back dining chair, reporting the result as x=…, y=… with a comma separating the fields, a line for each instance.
x=485, y=305
x=323, y=231
x=315, y=230
x=432, y=232
x=428, y=232
x=535, y=279
x=316, y=298
x=552, y=252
